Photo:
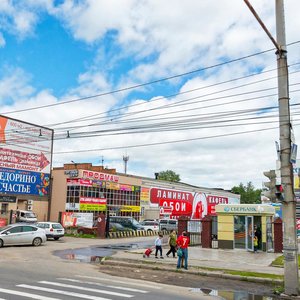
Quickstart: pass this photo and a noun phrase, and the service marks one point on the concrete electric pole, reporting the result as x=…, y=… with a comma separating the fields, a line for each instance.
x=290, y=245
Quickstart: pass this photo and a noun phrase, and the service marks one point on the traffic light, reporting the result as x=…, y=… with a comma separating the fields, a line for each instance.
x=279, y=192
x=271, y=185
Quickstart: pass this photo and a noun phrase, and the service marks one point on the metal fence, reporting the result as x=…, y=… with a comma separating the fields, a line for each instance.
x=194, y=227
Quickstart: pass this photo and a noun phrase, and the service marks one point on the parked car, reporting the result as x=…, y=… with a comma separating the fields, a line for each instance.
x=127, y=222
x=53, y=230
x=150, y=226
x=22, y=234
x=25, y=216
x=117, y=227
x=168, y=224
x=87, y=230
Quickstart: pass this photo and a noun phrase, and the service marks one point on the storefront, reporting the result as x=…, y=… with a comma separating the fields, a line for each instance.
x=237, y=224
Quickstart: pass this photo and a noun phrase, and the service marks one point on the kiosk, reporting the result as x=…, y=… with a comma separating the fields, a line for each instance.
x=237, y=224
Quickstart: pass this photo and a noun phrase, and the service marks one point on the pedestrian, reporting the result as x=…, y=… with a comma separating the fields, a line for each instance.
x=158, y=245
x=172, y=243
x=257, y=233
x=255, y=243
x=183, y=243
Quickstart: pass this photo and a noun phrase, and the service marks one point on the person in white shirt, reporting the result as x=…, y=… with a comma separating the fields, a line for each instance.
x=158, y=245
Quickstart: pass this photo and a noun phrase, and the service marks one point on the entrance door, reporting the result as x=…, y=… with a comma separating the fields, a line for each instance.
x=249, y=233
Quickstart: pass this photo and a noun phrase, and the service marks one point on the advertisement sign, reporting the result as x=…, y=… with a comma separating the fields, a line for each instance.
x=3, y=222
x=92, y=204
x=195, y=205
x=8, y=199
x=130, y=208
x=30, y=149
x=25, y=157
x=72, y=206
x=74, y=219
x=79, y=181
x=100, y=176
x=23, y=182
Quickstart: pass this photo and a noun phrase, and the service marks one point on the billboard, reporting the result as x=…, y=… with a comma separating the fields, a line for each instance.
x=195, y=205
x=25, y=157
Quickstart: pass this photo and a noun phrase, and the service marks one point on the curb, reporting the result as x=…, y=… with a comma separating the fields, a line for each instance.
x=144, y=264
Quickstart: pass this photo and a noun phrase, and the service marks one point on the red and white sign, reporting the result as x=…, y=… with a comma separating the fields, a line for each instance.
x=100, y=176
x=79, y=181
x=183, y=203
x=180, y=202
x=16, y=138
x=212, y=201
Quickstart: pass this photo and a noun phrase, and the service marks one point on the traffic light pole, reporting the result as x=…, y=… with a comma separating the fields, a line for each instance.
x=290, y=245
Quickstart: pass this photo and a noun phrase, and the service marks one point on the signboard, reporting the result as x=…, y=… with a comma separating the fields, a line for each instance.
x=8, y=199
x=130, y=208
x=23, y=182
x=74, y=219
x=100, y=176
x=25, y=157
x=245, y=209
x=92, y=204
x=79, y=181
x=184, y=203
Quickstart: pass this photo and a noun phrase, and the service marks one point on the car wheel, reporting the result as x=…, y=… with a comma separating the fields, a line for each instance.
x=37, y=242
x=56, y=238
x=1, y=243
x=149, y=230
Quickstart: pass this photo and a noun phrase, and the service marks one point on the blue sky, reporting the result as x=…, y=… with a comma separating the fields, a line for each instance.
x=56, y=51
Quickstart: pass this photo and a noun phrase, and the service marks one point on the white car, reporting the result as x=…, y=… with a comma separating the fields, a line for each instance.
x=150, y=226
x=21, y=234
x=52, y=229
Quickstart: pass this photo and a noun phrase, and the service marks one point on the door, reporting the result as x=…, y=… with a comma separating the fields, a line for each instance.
x=249, y=233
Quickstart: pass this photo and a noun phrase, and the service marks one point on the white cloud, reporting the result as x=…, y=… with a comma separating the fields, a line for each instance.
x=161, y=39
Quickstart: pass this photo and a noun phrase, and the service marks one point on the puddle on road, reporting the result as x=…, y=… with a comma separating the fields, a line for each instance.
x=86, y=255
x=231, y=295
x=94, y=254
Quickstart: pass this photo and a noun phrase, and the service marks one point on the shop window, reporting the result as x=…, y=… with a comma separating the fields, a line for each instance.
x=4, y=208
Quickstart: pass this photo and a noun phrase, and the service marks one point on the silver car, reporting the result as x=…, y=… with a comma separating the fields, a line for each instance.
x=21, y=234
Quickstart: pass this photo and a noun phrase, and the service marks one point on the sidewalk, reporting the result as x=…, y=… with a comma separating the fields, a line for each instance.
x=201, y=260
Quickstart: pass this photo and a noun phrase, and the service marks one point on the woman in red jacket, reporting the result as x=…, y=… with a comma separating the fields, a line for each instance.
x=183, y=243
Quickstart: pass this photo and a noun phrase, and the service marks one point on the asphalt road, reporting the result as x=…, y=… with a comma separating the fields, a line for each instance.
x=36, y=273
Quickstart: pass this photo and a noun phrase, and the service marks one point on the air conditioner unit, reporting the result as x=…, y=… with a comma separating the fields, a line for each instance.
x=29, y=202
x=29, y=207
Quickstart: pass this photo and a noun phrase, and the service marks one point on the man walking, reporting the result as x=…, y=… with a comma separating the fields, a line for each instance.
x=183, y=243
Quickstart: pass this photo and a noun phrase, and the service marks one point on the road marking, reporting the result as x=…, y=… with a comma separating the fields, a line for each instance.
x=123, y=282
x=28, y=295
x=78, y=295
x=75, y=287
x=100, y=284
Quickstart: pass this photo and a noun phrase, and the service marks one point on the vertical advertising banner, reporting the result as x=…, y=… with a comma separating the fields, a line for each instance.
x=25, y=157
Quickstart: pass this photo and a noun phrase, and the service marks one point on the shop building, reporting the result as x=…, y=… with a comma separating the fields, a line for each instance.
x=237, y=225
x=81, y=191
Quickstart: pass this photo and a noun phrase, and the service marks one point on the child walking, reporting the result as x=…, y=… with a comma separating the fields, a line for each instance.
x=255, y=243
x=158, y=246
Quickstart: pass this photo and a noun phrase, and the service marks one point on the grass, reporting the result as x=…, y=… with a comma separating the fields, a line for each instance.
x=279, y=261
x=86, y=236
x=244, y=273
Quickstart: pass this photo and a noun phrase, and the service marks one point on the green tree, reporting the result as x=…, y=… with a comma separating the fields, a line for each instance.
x=249, y=195
x=168, y=175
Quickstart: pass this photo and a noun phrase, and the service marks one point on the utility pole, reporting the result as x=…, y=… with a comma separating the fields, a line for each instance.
x=290, y=244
